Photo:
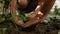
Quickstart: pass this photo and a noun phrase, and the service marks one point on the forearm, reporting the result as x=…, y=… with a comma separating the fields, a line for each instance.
x=30, y=23
x=44, y=9
x=13, y=7
x=38, y=18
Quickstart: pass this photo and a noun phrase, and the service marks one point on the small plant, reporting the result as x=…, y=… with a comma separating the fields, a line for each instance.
x=54, y=21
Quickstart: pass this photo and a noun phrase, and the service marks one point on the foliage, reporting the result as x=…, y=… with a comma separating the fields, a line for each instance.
x=56, y=11
x=54, y=21
x=1, y=19
x=3, y=30
x=25, y=19
x=22, y=17
x=6, y=2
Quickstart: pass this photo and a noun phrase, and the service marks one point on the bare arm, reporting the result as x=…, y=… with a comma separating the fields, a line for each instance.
x=35, y=20
x=38, y=8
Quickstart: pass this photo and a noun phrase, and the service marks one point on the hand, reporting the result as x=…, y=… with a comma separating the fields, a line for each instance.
x=34, y=14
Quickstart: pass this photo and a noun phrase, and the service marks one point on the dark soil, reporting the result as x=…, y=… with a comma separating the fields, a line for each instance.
x=38, y=29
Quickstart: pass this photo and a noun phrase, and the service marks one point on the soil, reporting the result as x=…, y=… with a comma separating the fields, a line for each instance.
x=38, y=29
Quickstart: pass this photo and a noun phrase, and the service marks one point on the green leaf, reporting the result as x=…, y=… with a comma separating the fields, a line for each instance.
x=13, y=16
x=3, y=30
x=23, y=18
x=2, y=19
